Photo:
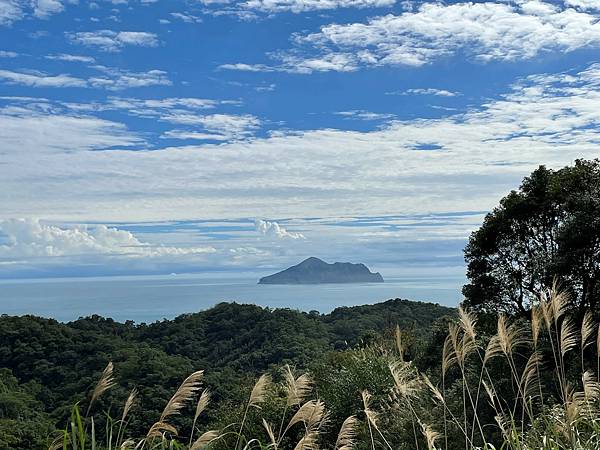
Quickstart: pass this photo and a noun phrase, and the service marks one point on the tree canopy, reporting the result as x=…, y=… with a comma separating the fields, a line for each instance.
x=548, y=230
x=51, y=365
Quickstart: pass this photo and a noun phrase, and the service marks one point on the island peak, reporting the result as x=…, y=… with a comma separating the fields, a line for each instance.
x=316, y=271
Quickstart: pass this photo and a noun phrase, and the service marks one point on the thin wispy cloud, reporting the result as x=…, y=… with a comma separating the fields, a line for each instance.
x=364, y=115
x=253, y=9
x=72, y=58
x=38, y=79
x=219, y=127
x=112, y=79
x=118, y=79
x=426, y=91
x=297, y=6
x=113, y=41
x=188, y=18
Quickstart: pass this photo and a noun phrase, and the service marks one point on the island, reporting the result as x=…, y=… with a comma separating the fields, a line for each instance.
x=316, y=271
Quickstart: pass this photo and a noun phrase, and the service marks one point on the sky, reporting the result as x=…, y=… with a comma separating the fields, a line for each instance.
x=154, y=136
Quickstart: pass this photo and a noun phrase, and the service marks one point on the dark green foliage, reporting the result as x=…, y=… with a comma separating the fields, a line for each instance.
x=341, y=377
x=23, y=422
x=549, y=229
x=351, y=325
x=233, y=343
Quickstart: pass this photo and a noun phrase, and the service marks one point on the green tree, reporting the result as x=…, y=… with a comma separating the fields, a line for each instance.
x=548, y=229
x=23, y=424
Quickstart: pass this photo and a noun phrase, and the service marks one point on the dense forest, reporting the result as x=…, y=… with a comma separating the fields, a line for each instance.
x=232, y=342
x=515, y=366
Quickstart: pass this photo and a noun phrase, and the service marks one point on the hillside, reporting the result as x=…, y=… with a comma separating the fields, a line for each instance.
x=232, y=342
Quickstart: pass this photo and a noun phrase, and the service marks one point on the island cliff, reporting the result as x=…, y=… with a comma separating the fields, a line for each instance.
x=315, y=271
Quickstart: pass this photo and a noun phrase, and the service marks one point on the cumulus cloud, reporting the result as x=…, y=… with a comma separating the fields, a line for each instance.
x=273, y=229
x=483, y=31
x=113, y=41
x=7, y=54
x=35, y=243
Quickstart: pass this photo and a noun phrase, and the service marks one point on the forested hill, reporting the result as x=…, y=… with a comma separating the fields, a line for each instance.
x=58, y=362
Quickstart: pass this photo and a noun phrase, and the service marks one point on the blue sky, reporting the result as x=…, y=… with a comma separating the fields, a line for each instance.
x=171, y=136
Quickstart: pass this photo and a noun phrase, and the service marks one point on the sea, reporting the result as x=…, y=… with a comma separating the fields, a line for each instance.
x=150, y=298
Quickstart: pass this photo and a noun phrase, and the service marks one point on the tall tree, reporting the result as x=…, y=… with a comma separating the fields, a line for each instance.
x=547, y=229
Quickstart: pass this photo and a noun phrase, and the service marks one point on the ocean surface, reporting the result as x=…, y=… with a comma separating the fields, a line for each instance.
x=157, y=297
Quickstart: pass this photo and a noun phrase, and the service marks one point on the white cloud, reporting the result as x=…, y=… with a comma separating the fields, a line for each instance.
x=298, y=6
x=72, y=58
x=10, y=11
x=584, y=4
x=483, y=31
x=14, y=10
x=45, y=8
x=194, y=136
x=187, y=18
x=250, y=9
x=112, y=41
x=27, y=131
x=293, y=63
x=220, y=127
x=114, y=79
x=364, y=115
x=150, y=108
x=247, y=67
x=38, y=79
x=31, y=238
x=266, y=88
x=427, y=91
x=118, y=79
x=275, y=230
x=6, y=54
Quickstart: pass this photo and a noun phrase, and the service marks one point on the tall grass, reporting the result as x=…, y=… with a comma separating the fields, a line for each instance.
x=541, y=404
